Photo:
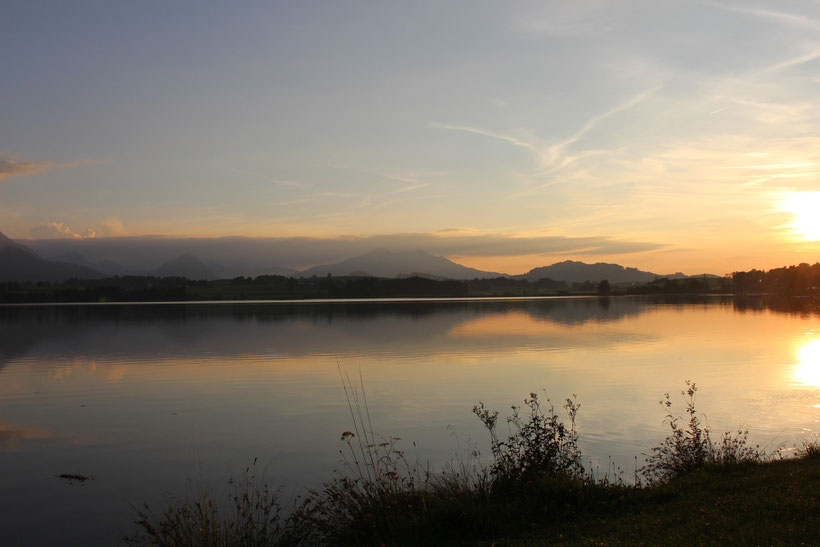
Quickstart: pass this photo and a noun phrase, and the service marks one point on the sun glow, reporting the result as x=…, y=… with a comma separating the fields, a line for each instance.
x=807, y=370
x=806, y=207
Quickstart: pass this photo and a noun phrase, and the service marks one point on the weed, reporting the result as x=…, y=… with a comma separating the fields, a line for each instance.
x=374, y=487
x=538, y=444
x=809, y=449
x=255, y=519
x=691, y=447
x=535, y=485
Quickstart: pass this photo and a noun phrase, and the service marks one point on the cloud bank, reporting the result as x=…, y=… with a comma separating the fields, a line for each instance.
x=253, y=255
x=49, y=230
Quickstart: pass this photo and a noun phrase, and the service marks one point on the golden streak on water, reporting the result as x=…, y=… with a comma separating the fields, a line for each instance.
x=807, y=369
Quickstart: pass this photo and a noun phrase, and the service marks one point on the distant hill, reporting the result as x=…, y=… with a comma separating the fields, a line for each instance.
x=6, y=243
x=108, y=267
x=227, y=272
x=186, y=265
x=19, y=263
x=423, y=275
x=227, y=257
x=384, y=263
x=578, y=272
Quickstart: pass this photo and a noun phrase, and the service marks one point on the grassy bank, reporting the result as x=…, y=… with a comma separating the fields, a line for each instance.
x=766, y=503
x=694, y=488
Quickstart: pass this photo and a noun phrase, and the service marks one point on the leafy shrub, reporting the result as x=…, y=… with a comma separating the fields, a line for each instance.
x=538, y=444
x=377, y=496
x=691, y=446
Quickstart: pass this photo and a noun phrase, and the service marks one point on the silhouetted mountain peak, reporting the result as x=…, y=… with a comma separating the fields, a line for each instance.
x=573, y=271
x=385, y=263
x=108, y=267
x=185, y=265
x=19, y=263
x=7, y=243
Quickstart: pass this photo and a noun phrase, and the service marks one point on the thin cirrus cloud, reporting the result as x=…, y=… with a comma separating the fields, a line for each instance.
x=779, y=16
x=11, y=167
x=554, y=157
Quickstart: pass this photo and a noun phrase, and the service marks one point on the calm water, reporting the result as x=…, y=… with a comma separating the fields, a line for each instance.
x=150, y=399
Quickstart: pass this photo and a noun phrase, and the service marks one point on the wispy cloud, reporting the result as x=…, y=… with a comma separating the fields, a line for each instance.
x=54, y=230
x=10, y=166
x=410, y=181
x=773, y=15
x=274, y=180
x=555, y=157
x=789, y=63
x=478, y=131
x=796, y=21
x=554, y=151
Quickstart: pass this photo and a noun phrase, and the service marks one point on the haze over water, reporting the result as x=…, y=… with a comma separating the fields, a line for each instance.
x=154, y=399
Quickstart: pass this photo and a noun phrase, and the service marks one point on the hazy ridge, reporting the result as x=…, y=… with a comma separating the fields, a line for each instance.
x=58, y=260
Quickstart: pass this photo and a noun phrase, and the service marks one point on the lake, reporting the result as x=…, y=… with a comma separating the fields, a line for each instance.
x=153, y=400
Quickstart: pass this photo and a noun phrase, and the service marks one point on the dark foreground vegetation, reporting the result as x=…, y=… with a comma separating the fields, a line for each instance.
x=535, y=490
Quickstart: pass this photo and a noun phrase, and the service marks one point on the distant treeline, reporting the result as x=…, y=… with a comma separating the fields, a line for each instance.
x=802, y=279
x=152, y=289
x=794, y=280
x=115, y=289
x=689, y=285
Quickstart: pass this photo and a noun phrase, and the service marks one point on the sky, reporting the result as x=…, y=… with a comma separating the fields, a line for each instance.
x=670, y=136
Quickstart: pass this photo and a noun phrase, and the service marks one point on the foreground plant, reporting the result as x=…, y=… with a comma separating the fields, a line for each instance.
x=809, y=449
x=537, y=444
x=691, y=446
x=254, y=518
x=374, y=487
x=534, y=487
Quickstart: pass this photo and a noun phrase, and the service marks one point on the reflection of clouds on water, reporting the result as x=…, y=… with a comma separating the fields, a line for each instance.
x=143, y=394
x=12, y=435
x=807, y=369
x=154, y=332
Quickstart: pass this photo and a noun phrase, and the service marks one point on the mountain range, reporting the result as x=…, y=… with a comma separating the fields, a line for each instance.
x=384, y=263
x=186, y=265
x=572, y=272
x=20, y=263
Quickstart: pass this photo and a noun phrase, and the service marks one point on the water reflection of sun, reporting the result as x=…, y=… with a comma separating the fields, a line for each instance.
x=805, y=207
x=807, y=370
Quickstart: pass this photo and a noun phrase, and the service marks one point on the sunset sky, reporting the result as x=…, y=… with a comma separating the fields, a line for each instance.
x=662, y=135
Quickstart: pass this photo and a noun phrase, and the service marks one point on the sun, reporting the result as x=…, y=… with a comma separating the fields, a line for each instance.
x=806, y=207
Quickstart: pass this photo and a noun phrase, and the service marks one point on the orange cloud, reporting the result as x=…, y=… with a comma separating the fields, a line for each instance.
x=52, y=230
x=113, y=227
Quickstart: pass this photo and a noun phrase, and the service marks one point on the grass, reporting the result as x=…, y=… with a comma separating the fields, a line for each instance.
x=767, y=503
x=254, y=518
x=693, y=489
